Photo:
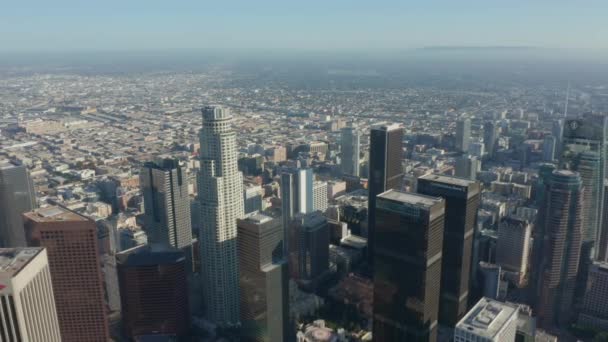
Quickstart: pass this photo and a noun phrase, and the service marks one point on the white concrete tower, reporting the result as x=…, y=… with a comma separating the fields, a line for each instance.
x=220, y=193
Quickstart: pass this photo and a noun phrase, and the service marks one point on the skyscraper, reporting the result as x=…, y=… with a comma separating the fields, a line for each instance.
x=71, y=242
x=549, y=146
x=309, y=247
x=463, y=134
x=467, y=167
x=588, y=134
x=513, y=246
x=349, y=145
x=153, y=291
x=319, y=195
x=220, y=192
x=296, y=196
x=17, y=196
x=407, y=269
x=561, y=251
x=263, y=279
x=490, y=135
x=462, y=198
x=385, y=171
x=594, y=311
x=27, y=313
x=164, y=187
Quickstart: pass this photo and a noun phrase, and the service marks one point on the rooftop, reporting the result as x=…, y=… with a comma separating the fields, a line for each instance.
x=54, y=214
x=257, y=218
x=448, y=180
x=417, y=200
x=13, y=260
x=487, y=317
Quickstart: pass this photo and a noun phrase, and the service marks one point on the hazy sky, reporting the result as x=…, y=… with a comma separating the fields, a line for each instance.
x=306, y=24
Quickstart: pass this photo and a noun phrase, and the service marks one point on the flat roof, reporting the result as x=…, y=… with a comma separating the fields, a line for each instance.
x=6, y=164
x=418, y=200
x=54, y=214
x=13, y=260
x=257, y=218
x=487, y=317
x=448, y=180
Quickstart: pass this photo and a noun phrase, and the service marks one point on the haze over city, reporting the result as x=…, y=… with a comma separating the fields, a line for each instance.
x=304, y=171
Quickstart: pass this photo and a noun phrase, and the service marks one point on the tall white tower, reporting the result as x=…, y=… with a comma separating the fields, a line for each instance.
x=220, y=193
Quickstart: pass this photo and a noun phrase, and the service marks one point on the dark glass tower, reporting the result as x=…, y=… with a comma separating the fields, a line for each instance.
x=407, y=266
x=17, y=196
x=462, y=198
x=385, y=171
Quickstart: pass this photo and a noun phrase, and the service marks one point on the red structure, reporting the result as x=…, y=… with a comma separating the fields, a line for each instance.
x=71, y=243
x=153, y=291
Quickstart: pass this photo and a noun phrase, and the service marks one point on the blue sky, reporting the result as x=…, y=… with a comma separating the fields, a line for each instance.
x=305, y=24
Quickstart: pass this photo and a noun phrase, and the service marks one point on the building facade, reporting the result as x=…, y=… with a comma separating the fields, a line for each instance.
x=385, y=171
x=463, y=134
x=167, y=216
x=71, y=243
x=153, y=291
x=563, y=210
x=221, y=201
x=407, y=269
x=488, y=321
x=17, y=196
x=263, y=279
x=513, y=246
x=27, y=310
x=462, y=199
x=350, y=141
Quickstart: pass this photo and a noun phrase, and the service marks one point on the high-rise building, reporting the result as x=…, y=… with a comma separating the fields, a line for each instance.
x=253, y=198
x=490, y=136
x=309, y=247
x=488, y=321
x=463, y=134
x=407, y=269
x=385, y=171
x=27, y=313
x=549, y=146
x=594, y=311
x=513, y=246
x=167, y=217
x=584, y=148
x=221, y=201
x=462, y=198
x=264, y=279
x=467, y=167
x=17, y=196
x=349, y=145
x=296, y=195
x=561, y=249
x=153, y=291
x=602, y=254
x=319, y=196
x=71, y=243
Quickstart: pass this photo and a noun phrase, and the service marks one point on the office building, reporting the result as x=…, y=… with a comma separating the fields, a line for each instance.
x=71, y=243
x=264, y=279
x=319, y=196
x=252, y=198
x=513, y=246
x=27, y=313
x=220, y=192
x=467, y=167
x=349, y=146
x=462, y=198
x=602, y=254
x=488, y=321
x=549, y=146
x=166, y=203
x=463, y=134
x=153, y=291
x=561, y=250
x=594, y=311
x=309, y=247
x=296, y=196
x=490, y=137
x=584, y=150
x=407, y=266
x=17, y=196
x=385, y=171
